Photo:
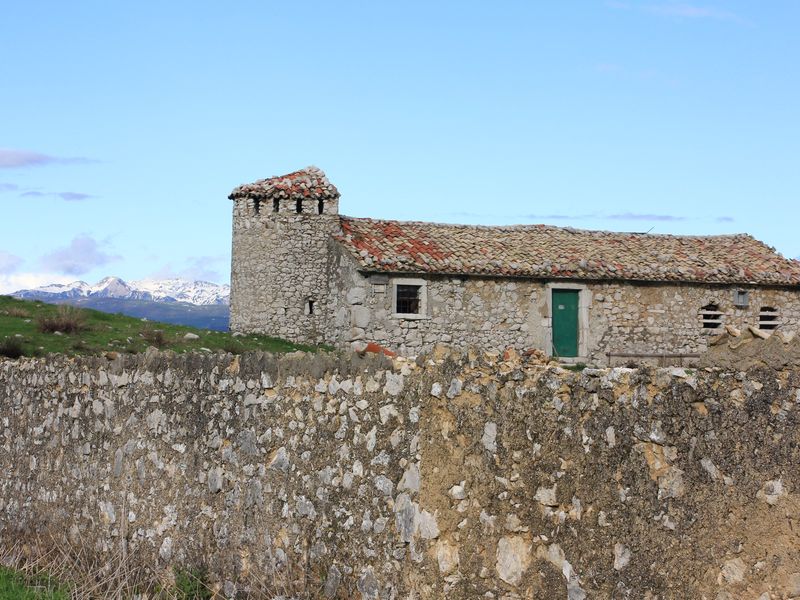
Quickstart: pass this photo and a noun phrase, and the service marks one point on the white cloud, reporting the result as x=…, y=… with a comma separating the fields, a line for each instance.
x=9, y=262
x=14, y=282
x=82, y=255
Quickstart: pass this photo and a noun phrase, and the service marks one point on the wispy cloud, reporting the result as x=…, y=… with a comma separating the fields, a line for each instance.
x=83, y=254
x=558, y=217
x=682, y=10
x=198, y=268
x=73, y=196
x=623, y=216
x=626, y=216
x=68, y=196
x=19, y=159
x=692, y=11
x=9, y=262
x=629, y=216
x=8, y=187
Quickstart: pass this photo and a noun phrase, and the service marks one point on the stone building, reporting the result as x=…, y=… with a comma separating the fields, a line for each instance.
x=303, y=272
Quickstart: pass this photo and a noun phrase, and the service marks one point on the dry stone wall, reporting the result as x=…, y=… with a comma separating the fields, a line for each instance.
x=471, y=475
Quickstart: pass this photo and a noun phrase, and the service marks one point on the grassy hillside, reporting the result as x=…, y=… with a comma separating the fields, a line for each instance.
x=33, y=328
x=213, y=316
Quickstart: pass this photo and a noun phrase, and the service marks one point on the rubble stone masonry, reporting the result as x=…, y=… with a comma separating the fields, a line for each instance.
x=466, y=475
x=619, y=318
x=279, y=271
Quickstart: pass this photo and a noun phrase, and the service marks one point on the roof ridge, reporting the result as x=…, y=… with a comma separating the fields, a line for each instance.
x=527, y=226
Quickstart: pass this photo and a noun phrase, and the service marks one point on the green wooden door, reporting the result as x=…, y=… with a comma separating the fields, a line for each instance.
x=565, y=322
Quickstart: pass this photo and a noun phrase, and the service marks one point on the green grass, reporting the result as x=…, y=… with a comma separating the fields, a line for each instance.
x=24, y=326
x=16, y=586
x=191, y=585
x=578, y=367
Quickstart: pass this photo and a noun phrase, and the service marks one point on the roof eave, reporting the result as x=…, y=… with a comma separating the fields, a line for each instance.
x=461, y=275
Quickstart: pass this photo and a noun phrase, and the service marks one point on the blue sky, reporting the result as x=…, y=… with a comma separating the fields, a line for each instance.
x=124, y=125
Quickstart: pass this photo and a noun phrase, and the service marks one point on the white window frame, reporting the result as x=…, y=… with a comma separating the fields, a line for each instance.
x=423, y=298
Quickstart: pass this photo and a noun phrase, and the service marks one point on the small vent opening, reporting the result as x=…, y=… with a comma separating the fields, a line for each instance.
x=257, y=206
x=710, y=316
x=741, y=298
x=298, y=206
x=310, y=306
x=768, y=318
x=276, y=205
x=320, y=206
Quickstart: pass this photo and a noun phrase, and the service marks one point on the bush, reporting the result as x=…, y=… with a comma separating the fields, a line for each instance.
x=17, y=312
x=154, y=337
x=232, y=346
x=80, y=345
x=67, y=319
x=11, y=348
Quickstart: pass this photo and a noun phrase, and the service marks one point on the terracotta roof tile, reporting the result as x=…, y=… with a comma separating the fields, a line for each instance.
x=543, y=251
x=308, y=183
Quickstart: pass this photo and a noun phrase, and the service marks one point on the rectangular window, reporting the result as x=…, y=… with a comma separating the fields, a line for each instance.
x=408, y=300
x=741, y=298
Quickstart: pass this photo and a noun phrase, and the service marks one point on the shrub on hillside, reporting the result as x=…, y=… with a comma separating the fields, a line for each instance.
x=67, y=319
x=232, y=346
x=154, y=337
x=11, y=348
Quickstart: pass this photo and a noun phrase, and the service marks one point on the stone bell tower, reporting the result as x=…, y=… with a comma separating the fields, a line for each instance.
x=282, y=229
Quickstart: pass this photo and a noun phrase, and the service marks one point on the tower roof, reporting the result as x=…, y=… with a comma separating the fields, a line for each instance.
x=306, y=184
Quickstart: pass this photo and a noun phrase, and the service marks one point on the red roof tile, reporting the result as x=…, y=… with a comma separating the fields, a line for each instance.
x=547, y=252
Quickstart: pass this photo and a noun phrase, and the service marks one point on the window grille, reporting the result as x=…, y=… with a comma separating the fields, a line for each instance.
x=768, y=318
x=407, y=301
x=710, y=316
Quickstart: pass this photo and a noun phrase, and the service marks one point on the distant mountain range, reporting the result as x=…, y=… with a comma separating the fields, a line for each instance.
x=196, y=303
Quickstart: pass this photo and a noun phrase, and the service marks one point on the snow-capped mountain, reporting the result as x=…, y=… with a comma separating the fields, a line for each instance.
x=200, y=293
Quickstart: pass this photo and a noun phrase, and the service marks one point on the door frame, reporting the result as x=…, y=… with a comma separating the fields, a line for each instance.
x=584, y=301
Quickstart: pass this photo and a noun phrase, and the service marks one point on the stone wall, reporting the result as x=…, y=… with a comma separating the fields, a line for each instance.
x=498, y=313
x=459, y=476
